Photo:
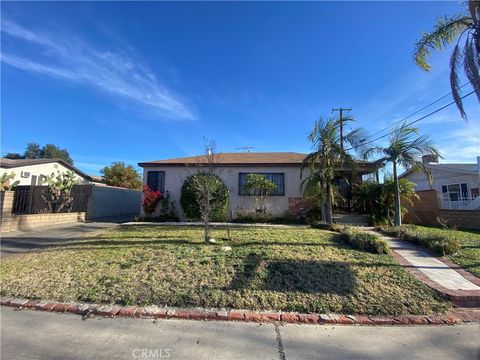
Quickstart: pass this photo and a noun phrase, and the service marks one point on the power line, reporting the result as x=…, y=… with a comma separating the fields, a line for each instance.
x=413, y=122
x=414, y=113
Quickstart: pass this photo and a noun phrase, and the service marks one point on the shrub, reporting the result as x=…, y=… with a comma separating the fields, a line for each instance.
x=361, y=240
x=251, y=217
x=167, y=212
x=378, y=200
x=254, y=219
x=314, y=214
x=219, y=199
x=442, y=244
x=150, y=200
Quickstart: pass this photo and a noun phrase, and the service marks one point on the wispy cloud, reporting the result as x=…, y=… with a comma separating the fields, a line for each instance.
x=115, y=73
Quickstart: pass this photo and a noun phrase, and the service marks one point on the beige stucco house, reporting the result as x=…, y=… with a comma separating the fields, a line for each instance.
x=33, y=171
x=283, y=168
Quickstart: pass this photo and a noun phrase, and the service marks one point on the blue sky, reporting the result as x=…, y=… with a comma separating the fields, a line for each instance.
x=139, y=81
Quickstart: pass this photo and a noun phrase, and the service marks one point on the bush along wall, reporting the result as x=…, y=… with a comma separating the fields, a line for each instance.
x=189, y=199
x=442, y=244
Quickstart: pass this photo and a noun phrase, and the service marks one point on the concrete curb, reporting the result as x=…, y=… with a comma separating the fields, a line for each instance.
x=456, y=316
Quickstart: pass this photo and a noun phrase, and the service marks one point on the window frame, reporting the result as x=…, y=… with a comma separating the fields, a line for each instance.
x=461, y=193
x=157, y=173
x=261, y=173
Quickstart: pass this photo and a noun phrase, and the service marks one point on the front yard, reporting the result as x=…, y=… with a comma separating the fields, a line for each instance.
x=289, y=269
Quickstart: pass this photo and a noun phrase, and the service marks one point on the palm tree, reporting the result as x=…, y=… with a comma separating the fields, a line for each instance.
x=327, y=157
x=404, y=149
x=446, y=31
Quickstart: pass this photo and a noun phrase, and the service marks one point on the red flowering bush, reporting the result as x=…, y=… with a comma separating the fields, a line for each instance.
x=150, y=200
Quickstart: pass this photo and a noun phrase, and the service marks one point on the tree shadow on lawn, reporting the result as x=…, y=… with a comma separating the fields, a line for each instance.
x=334, y=277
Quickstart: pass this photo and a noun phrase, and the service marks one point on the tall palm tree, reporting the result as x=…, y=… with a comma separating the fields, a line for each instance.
x=446, y=31
x=327, y=157
x=406, y=149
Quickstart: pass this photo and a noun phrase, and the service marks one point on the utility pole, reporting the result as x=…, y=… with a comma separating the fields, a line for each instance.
x=341, y=110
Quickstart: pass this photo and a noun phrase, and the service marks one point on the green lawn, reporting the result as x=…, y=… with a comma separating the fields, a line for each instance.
x=289, y=269
x=469, y=255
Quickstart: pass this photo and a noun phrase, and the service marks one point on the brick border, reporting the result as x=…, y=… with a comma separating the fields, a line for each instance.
x=456, y=316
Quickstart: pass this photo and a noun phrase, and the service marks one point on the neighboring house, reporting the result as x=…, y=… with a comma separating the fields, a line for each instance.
x=33, y=171
x=283, y=168
x=456, y=185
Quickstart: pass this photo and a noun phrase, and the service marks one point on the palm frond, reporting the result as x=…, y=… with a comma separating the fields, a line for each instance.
x=445, y=31
x=471, y=61
x=474, y=9
x=455, y=61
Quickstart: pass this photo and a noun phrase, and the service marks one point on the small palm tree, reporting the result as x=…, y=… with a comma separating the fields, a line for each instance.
x=327, y=157
x=446, y=31
x=404, y=149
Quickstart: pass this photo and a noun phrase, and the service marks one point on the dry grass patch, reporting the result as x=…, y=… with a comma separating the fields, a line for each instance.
x=289, y=269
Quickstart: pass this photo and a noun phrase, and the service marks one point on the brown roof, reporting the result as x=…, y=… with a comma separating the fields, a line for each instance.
x=253, y=158
x=14, y=163
x=239, y=159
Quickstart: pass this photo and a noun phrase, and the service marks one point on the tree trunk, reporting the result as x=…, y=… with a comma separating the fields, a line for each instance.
x=323, y=210
x=329, y=205
x=398, y=212
x=207, y=231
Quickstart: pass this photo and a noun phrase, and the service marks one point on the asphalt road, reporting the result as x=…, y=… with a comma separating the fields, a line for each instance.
x=44, y=238
x=30, y=334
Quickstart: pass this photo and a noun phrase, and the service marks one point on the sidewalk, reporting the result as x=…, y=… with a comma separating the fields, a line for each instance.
x=461, y=287
x=43, y=335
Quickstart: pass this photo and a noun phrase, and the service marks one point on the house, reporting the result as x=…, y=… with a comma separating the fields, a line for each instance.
x=283, y=168
x=456, y=184
x=453, y=196
x=33, y=171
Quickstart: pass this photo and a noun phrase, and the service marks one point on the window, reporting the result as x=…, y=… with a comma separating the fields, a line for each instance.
x=156, y=180
x=455, y=192
x=474, y=192
x=277, y=178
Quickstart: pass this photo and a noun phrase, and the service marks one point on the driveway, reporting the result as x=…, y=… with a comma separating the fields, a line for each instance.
x=41, y=335
x=14, y=242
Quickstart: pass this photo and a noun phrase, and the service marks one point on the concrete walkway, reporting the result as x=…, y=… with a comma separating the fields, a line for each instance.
x=213, y=224
x=43, y=335
x=433, y=268
x=14, y=242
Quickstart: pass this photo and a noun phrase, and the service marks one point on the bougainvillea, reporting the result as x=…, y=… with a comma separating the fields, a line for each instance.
x=150, y=200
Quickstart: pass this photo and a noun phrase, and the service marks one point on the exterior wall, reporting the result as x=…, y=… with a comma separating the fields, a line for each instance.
x=468, y=219
x=443, y=178
x=425, y=209
x=37, y=170
x=109, y=201
x=10, y=222
x=276, y=205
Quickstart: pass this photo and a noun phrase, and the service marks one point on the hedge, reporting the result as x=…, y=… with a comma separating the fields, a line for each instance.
x=357, y=238
x=442, y=244
x=364, y=241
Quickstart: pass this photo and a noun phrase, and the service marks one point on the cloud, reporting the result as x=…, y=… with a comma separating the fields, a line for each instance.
x=115, y=73
x=461, y=145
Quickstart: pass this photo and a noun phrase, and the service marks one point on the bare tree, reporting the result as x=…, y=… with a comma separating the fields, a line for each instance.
x=207, y=185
